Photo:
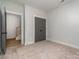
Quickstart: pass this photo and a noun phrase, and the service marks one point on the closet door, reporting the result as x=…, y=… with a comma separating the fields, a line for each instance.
x=40, y=29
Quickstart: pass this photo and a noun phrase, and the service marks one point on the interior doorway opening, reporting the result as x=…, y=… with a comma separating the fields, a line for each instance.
x=13, y=29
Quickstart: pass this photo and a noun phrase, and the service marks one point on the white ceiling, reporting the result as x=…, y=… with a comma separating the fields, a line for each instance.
x=41, y=4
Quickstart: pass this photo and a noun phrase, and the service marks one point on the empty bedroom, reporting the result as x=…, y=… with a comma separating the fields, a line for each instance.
x=49, y=29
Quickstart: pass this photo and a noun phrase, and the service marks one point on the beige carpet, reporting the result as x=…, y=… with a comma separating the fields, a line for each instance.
x=42, y=50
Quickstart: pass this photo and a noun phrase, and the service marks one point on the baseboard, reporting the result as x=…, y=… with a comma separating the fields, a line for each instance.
x=11, y=38
x=64, y=43
x=28, y=43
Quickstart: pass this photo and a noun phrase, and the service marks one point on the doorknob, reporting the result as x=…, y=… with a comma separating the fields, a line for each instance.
x=41, y=30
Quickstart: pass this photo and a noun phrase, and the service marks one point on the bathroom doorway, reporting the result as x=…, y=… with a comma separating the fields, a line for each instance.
x=13, y=22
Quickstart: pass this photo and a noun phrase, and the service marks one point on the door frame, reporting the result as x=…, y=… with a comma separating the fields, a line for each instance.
x=22, y=25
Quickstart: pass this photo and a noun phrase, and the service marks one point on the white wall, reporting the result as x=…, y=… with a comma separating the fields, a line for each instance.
x=30, y=13
x=63, y=24
x=13, y=21
x=13, y=6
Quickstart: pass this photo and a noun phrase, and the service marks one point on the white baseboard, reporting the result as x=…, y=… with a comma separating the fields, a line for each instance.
x=28, y=43
x=64, y=43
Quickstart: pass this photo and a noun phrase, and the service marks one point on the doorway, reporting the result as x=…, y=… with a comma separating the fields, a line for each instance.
x=13, y=30
x=3, y=27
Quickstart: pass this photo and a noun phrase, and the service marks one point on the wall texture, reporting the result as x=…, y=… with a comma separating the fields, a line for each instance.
x=63, y=23
x=30, y=13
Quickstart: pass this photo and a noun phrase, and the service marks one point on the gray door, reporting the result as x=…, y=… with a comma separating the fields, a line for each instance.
x=40, y=29
x=0, y=31
x=4, y=33
x=2, y=27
